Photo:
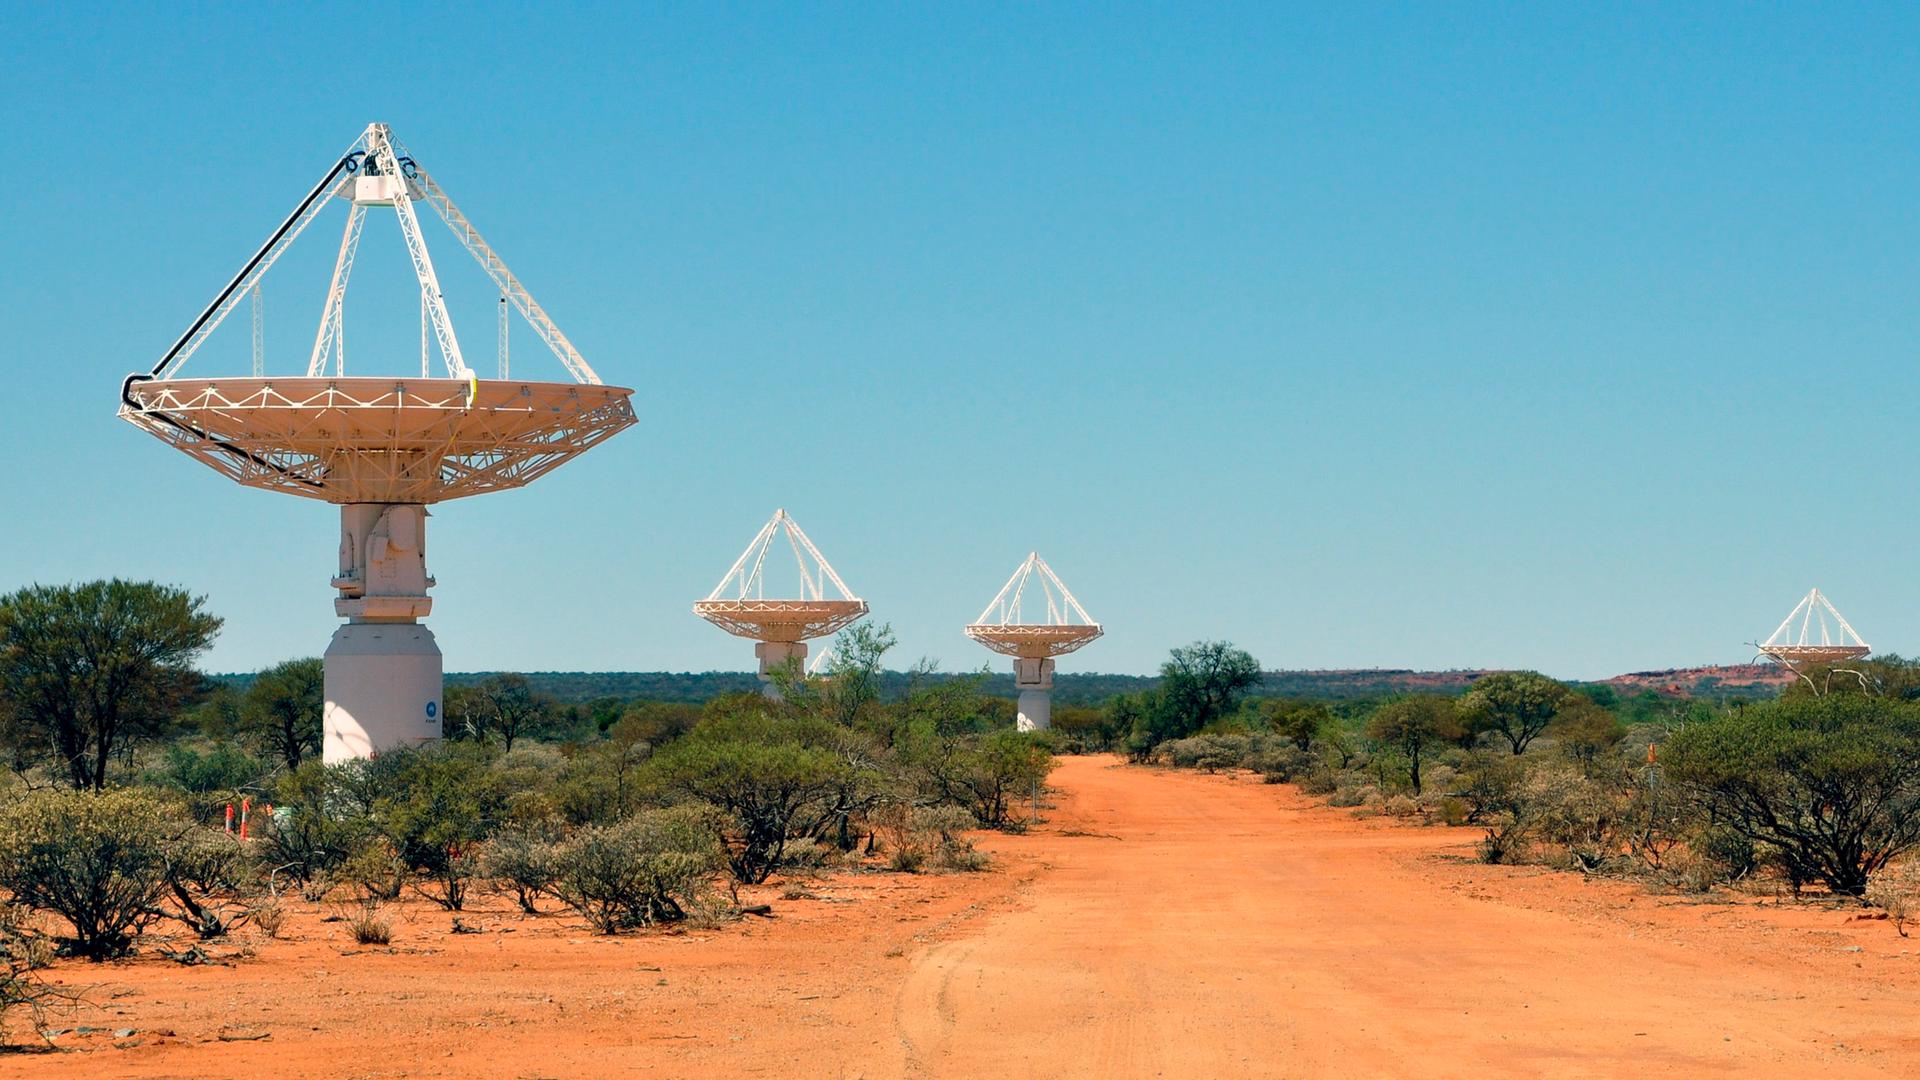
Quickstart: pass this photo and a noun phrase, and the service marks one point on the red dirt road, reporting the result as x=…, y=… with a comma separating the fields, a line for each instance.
x=1160, y=924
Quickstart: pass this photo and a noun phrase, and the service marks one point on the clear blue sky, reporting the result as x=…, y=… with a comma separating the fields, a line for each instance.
x=1426, y=336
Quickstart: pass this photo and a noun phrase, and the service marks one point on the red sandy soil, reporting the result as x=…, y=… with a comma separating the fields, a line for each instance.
x=1158, y=924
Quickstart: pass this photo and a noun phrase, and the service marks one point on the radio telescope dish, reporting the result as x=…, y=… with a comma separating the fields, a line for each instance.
x=371, y=440
x=781, y=625
x=1814, y=632
x=1006, y=628
x=381, y=447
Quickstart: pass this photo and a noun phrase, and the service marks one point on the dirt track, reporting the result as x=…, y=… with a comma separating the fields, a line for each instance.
x=1161, y=924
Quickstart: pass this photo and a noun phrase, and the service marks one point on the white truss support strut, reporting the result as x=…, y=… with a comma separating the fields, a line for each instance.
x=330, y=338
x=509, y=286
x=184, y=349
x=259, y=343
x=1007, y=605
x=382, y=152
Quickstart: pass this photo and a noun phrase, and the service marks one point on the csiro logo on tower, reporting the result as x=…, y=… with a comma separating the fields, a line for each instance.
x=433, y=709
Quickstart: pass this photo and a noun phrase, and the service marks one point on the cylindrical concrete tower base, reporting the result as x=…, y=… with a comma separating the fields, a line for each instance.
x=775, y=655
x=382, y=689
x=1036, y=710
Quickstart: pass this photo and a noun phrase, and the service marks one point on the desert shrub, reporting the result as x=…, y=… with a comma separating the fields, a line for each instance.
x=375, y=871
x=1279, y=762
x=97, y=859
x=1403, y=806
x=1320, y=781
x=1347, y=795
x=1492, y=787
x=776, y=779
x=806, y=854
x=208, y=875
x=525, y=778
x=1832, y=784
x=521, y=859
x=1731, y=854
x=918, y=835
x=368, y=924
x=224, y=771
x=316, y=825
x=652, y=868
x=961, y=857
x=1210, y=752
x=1586, y=820
x=1896, y=889
x=270, y=916
x=440, y=803
x=987, y=774
x=23, y=951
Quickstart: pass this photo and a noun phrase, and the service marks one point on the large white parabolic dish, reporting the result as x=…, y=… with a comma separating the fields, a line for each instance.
x=379, y=439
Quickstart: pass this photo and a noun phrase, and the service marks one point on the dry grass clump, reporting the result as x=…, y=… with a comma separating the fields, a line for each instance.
x=1897, y=890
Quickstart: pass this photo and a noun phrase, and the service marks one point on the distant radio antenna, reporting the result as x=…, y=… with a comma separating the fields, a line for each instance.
x=1814, y=632
x=1059, y=626
x=781, y=625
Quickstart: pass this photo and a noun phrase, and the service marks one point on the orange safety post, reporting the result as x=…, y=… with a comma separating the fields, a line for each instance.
x=229, y=817
x=246, y=803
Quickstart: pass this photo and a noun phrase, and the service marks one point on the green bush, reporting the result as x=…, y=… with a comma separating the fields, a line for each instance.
x=521, y=858
x=1831, y=784
x=316, y=824
x=97, y=859
x=654, y=867
x=443, y=800
x=988, y=774
x=775, y=780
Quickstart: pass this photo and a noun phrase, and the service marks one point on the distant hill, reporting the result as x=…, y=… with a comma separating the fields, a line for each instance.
x=1714, y=683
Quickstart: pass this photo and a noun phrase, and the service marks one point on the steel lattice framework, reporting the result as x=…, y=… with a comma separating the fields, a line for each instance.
x=1816, y=617
x=739, y=604
x=377, y=440
x=1004, y=627
x=357, y=440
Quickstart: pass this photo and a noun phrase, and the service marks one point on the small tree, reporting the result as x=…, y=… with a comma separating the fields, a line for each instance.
x=1515, y=705
x=651, y=868
x=1832, y=784
x=505, y=707
x=1586, y=730
x=86, y=670
x=774, y=778
x=1300, y=722
x=282, y=710
x=96, y=859
x=1206, y=680
x=523, y=859
x=1414, y=726
x=440, y=803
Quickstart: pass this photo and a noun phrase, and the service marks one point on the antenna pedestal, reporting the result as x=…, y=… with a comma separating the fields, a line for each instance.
x=383, y=669
x=1034, y=678
x=775, y=655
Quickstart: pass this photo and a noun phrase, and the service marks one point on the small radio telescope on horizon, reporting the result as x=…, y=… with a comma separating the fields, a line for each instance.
x=1814, y=632
x=781, y=626
x=382, y=448
x=1004, y=628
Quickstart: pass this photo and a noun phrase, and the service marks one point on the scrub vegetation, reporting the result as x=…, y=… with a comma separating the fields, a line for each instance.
x=125, y=762
x=1815, y=792
x=633, y=813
